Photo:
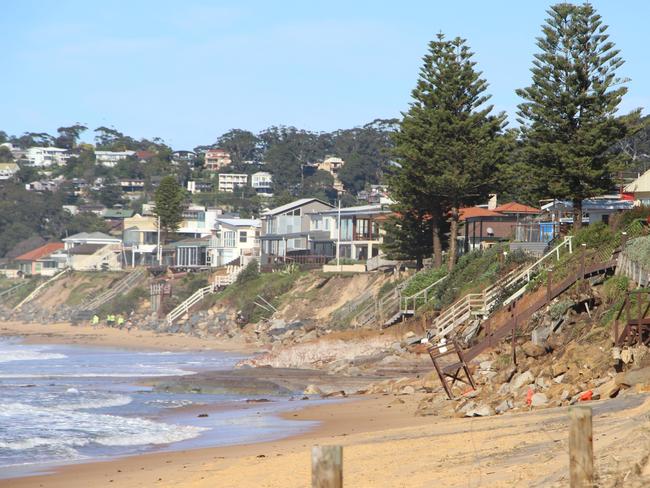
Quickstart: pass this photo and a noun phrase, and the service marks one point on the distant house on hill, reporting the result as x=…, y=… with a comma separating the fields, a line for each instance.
x=95, y=257
x=90, y=238
x=216, y=159
x=8, y=170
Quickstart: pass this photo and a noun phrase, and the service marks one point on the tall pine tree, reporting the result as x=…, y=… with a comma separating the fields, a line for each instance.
x=447, y=145
x=169, y=205
x=569, y=113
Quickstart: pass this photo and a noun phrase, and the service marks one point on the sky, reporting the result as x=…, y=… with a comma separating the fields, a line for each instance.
x=189, y=70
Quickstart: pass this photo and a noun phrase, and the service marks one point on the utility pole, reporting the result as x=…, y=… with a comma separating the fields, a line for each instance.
x=338, y=239
x=159, y=249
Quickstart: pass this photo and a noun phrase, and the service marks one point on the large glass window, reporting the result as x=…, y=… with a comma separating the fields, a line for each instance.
x=346, y=229
x=229, y=238
x=243, y=236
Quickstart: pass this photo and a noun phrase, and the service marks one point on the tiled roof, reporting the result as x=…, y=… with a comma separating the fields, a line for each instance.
x=85, y=249
x=474, y=212
x=514, y=207
x=40, y=252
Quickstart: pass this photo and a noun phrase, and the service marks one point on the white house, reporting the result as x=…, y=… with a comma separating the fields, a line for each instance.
x=235, y=238
x=8, y=170
x=44, y=157
x=90, y=238
x=229, y=182
x=110, y=159
x=262, y=183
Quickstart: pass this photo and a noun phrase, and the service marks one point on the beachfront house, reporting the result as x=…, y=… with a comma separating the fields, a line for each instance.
x=235, y=239
x=639, y=190
x=360, y=235
x=95, y=257
x=41, y=261
x=286, y=230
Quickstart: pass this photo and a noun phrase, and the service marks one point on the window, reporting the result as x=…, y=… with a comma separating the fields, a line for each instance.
x=243, y=236
x=229, y=238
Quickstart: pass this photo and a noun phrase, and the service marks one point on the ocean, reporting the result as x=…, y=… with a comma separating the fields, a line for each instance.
x=63, y=404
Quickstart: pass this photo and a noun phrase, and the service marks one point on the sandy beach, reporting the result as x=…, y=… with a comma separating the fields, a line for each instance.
x=65, y=333
x=385, y=444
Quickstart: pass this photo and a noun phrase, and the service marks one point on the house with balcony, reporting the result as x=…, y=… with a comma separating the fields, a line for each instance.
x=286, y=230
x=262, y=183
x=216, y=159
x=95, y=257
x=109, y=159
x=235, y=238
x=359, y=236
x=229, y=182
x=90, y=238
x=43, y=157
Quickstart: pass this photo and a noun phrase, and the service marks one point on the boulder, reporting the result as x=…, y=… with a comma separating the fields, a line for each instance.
x=540, y=335
x=609, y=389
x=559, y=367
x=481, y=410
x=312, y=390
x=408, y=390
x=522, y=379
x=504, y=406
x=533, y=350
x=485, y=366
x=634, y=377
x=538, y=400
x=504, y=389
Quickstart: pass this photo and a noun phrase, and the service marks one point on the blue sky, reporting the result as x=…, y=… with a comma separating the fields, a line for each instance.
x=189, y=70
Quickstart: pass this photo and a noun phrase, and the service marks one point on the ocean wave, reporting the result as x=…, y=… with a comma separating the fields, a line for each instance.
x=174, y=372
x=27, y=355
x=62, y=429
x=90, y=403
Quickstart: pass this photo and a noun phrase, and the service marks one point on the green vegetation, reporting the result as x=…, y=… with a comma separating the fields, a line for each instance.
x=249, y=273
x=447, y=144
x=422, y=280
x=639, y=250
x=614, y=289
x=570, y=109
x=270, y=286
x=169, y=205
x=124, y=304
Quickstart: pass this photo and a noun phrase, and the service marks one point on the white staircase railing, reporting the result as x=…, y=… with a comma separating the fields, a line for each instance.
x=481, y=305
x=219, y=282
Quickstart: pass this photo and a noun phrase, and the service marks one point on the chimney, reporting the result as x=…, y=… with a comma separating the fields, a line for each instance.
x=492, y=201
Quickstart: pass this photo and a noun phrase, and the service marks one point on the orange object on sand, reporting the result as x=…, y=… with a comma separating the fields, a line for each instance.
x=587, y=396
x=529, y=396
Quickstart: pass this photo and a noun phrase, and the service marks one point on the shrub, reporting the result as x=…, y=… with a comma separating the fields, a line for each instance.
x=250, y=272
x=622, y=220
x=594, y=235
x=614, y=289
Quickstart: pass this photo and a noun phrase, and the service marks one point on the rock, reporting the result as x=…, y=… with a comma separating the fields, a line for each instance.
x=408, y=390
x=409, y=335
x=397, y=347
x=485, y=366
x=202, y=415
x=626, y=356
x=480, y=411
x=540, y=334
x=533, y=350
x=542, y=382
x=565, y=395
x=390, y=359
x=504, y=389
x=504, y=406
x=312, y=390
x=310, y=336
x=609, y=389
x=634, y=377
x=332, y=394
x=559, y=367
x=522, y=379
x=558, y=379
x=538, y=400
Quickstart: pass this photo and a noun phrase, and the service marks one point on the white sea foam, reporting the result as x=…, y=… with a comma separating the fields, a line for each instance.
x=170, y=372
x=28, y=355
x=69, y=429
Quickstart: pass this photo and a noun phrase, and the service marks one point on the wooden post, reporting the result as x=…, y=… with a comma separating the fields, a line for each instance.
x=549, y=286
x=581, y=449
x=327, y=467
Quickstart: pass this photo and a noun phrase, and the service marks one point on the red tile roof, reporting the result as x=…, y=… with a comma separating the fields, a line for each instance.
x=40, y=252
x=473, y=212
x=514, y=207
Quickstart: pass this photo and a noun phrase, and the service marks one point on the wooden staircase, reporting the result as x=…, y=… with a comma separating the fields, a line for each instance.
x=220, y=282
x=504, y=324
x=40, y=288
